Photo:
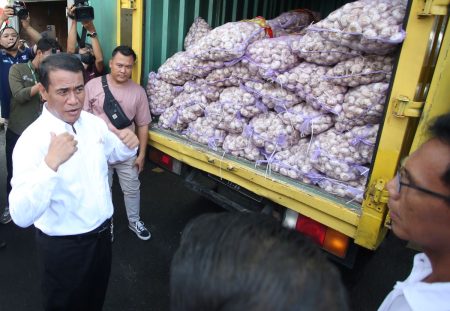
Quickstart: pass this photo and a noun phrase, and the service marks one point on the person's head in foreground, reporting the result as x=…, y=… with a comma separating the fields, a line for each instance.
x=247, y=261
x=63, y=86
x=419, y=197
x=419, y=202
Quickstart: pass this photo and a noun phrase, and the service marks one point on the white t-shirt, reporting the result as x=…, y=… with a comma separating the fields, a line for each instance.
x=413, y=294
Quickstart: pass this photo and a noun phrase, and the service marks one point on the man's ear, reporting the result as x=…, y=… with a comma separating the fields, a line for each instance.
x=43, y=92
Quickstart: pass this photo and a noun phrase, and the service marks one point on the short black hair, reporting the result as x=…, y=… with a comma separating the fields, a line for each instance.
x=248, y=261
x=124, y=50
x=46, y=44
x=59, y=61
x=440, y=129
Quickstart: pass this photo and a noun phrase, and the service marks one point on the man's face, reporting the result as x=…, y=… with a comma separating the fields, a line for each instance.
x=417, y=216
x=121, y=67
x=9, y=38
x=40, y=56
x=65, y=95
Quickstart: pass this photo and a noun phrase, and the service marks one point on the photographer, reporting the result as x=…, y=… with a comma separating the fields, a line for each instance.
x=91, y=55
x=26, y=104
x=10, y=54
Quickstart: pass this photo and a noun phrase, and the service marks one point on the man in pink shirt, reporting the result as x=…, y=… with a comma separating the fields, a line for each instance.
x=133, y=101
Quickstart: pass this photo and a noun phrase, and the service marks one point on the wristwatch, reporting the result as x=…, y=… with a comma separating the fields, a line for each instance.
x=92, y=34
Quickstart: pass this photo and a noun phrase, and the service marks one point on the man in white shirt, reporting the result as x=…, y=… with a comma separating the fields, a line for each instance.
x=419, y=203
x=60, y=184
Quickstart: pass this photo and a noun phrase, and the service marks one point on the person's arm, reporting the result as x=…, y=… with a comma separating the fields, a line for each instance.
x=96, y=48
x=142, y=120
x=34, y=175
x=6, y=13
x=72, y=38
x=142, y=134
x=122, y=144
x=32, y=33
x=19, y=91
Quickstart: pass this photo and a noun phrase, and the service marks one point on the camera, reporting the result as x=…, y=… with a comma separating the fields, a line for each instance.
x=82, y=11
x=20, y=9
x=86, y=58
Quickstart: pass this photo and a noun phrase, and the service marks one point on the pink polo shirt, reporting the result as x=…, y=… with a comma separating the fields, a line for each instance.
x=130, y=95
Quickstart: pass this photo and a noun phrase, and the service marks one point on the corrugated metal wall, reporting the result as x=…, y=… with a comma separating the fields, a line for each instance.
x=167, y=21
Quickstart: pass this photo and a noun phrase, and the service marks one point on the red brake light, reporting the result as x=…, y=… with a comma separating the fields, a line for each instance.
x=311, y=228
x=166, y=160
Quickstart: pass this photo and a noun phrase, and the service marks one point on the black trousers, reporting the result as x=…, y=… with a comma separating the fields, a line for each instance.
x=11, y=139
x=75, y=269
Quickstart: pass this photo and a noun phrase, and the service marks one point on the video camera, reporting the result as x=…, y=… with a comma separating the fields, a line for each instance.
x=86, y=58
x=82, y=11
x=20, y=9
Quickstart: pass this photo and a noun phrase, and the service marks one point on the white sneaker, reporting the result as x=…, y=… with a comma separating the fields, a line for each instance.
x=139, y=228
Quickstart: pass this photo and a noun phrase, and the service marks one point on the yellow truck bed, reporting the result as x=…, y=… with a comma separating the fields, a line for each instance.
x=307, y=200
x=419, y=92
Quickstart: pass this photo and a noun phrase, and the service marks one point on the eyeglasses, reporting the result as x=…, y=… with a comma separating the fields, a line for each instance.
x=400, y=173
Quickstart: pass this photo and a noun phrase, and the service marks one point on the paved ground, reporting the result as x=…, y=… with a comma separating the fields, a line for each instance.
x=139, y=279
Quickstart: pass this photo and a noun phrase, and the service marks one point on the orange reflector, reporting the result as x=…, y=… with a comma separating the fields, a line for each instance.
x=329, y=239
x=336, y=243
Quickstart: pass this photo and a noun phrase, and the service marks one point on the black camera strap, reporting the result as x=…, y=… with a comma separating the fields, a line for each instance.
x=112, y=108
x=82, y=40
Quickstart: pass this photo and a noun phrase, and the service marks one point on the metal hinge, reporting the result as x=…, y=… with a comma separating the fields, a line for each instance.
x=404, y=107
x=128, y=4
x=435, y=7
x=377, y=195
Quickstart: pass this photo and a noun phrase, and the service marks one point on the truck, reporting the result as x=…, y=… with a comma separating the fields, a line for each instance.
x=418, y=93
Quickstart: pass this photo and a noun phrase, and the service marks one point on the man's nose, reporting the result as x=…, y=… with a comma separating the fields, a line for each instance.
x=72, y=98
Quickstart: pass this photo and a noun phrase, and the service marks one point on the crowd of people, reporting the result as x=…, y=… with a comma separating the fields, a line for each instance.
x=49, y=138
x=53, y=103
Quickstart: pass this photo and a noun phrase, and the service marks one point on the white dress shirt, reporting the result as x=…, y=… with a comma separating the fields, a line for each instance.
x=413, y=294
x=76, y=198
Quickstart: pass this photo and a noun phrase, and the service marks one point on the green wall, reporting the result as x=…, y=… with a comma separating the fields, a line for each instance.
x=105, y=21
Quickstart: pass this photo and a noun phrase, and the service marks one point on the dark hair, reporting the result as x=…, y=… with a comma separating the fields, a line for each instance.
x=124, y=50
x=86, y=45
x=59, y=61
x=8, y=27
x=440, y=129
x=46, y=44
x=248, y=261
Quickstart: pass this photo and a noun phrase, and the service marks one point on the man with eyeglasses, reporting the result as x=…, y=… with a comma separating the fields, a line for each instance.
x=419, y=204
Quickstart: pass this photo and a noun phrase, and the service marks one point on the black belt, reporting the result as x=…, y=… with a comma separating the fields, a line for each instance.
x=103, y=228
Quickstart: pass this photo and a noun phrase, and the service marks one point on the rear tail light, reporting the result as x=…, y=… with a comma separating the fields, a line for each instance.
x=329, y=239
x=165, y=160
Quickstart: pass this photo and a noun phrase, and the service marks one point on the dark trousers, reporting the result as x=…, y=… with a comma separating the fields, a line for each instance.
x=75, y=269
x=11, y=139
